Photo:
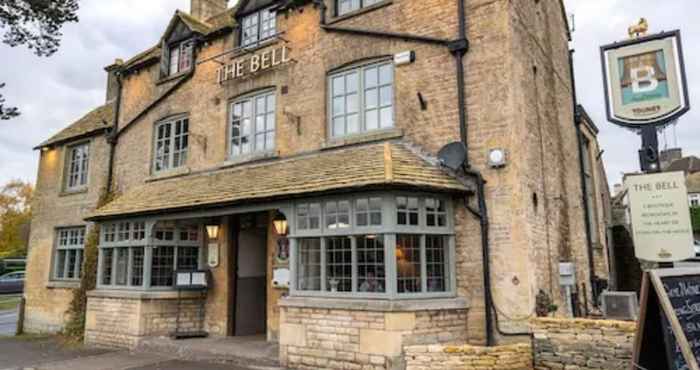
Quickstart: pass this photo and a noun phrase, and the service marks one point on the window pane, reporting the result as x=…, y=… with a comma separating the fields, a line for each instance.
x=309, y=274
x=436, y=262
x=386, y=74
x=188, y=258
x=375, y=206
x=371, y=98
x=122, y=258
x=60, y=264
x=162, y=266
x=408, y=264
x=371, y=272
x=315, y=216
x=107, y=266
x=339, y=264
x=137, y=266
x=371, y=78
x=303, y=216
x=174, y=60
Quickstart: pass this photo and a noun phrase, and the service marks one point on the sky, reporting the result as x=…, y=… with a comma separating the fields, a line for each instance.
x=53, y=92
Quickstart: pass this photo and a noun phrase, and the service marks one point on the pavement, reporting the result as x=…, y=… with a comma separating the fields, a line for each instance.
x=8, y=322
x=28, y=353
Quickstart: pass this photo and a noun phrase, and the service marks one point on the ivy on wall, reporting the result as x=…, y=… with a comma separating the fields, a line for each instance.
x=77, y=311
x=695, y=218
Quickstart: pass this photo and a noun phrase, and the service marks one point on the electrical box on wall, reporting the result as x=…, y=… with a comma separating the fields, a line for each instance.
x=280, y=278
x=406, y=57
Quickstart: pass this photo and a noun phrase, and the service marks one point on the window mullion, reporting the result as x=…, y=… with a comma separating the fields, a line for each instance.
x=293, y=250
x=78, y=263
x=423, y=265
x=323, y=264
x=353, y=259
x=100, y=264
x=66, y=258
x=129, y=265
x=147, y=264
x=390, y=265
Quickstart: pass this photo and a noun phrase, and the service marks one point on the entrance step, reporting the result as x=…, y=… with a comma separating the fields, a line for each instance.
x=250, y=352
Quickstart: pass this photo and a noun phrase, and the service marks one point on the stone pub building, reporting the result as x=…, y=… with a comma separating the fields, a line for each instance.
x=290, y=149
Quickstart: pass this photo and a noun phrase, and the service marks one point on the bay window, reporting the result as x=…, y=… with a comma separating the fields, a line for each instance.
x=383, y=246
x=128, y=259
x=361, y=99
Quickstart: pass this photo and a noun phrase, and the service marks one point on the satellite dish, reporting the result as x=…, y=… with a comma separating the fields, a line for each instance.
x=453, y=155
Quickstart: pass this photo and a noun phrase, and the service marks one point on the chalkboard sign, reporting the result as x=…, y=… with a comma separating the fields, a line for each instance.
x=684, y=294
x=668, y=336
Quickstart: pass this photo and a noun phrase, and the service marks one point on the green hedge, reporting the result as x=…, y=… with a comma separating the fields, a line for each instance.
x=695, y=217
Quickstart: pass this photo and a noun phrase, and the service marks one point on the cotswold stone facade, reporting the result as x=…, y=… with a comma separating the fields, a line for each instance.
x=290, y=150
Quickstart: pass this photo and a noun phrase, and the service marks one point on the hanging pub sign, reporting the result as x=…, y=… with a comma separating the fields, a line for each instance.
x=661, y=226
x=252, y=64
x=668, y=332
x=645, y=82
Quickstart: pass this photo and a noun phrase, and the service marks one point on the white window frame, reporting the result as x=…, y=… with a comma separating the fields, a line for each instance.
x=363, y=94
x=68, y=240
x=77, y=166
x=170, y=142
x=388, y=231
x=258, y=27
x=254, y=132
x=142, y=237
x=181, y=57
x=353, y=5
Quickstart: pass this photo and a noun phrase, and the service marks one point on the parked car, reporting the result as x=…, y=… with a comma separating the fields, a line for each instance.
x=12, y=283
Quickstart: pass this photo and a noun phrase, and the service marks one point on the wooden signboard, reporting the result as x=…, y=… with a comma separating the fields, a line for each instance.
x=668, y=336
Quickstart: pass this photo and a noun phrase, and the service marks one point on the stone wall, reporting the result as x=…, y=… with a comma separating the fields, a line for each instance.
x=313, y=338
x=582, y=344
x=122, y=320
x=438, y=357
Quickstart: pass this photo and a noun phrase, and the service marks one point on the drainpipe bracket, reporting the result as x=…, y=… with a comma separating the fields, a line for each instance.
x=459, y=46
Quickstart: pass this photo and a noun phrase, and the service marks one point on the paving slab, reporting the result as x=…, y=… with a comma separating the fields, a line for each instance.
x=188, y=365
x=26, y=352
x=110, y=361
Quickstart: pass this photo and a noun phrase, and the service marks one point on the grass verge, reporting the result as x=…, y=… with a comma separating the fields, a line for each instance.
x=9, y=303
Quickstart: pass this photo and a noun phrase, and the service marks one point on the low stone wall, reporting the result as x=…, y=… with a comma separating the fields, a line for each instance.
x=123, y=319
x=438, y=357
x=582, y=344
x=369, y=337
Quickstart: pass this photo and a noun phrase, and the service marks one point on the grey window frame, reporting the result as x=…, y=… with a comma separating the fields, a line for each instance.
x=173, y=122
x=83, y=169
x=78, y=248
x=252, y=99
x=147, y=244
x=389, y=230
x=261, y=34
x=362, y=89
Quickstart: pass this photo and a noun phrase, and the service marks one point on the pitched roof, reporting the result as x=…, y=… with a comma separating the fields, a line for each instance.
x=369, y=166
x=689, y=164
x=98, y=120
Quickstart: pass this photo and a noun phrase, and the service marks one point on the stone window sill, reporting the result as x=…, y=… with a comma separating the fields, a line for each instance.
x=169, y=174
x=250, y=158
x=141, y=295
x=57, y=284
x=363, y=138
x=359, y=12
x=377, y=305
x=68, y=193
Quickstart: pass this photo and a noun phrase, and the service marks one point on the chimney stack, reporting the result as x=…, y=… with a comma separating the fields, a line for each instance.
x=205, y=9
x=112, y=86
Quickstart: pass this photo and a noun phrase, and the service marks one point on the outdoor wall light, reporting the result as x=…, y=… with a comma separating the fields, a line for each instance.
x=497, y=158
x=213, y=232
x=280, y=223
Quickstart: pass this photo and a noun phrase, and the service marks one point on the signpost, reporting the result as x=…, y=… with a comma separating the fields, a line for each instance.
x=668, y=335
x=645, y=87
x=661, y=225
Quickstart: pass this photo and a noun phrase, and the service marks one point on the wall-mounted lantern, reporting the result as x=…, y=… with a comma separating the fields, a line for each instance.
x=280, y=223
x=281, y=228
x=213, y=246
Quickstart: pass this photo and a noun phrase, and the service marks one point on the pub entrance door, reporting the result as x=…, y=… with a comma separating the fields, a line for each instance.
x=250, y=304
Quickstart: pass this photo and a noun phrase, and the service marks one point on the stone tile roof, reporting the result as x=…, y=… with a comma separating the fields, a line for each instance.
x=693, y=183
x=97, y=120
x=369, y=166
x=686, y=164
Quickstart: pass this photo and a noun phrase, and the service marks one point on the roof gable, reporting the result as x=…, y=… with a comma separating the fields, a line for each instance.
x=96, y=121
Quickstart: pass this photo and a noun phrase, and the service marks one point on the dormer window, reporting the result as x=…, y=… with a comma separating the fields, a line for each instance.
x=180, y=57
x=258, y=26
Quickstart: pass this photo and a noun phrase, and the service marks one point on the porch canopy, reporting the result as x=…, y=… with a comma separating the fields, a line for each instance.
x=374, y=166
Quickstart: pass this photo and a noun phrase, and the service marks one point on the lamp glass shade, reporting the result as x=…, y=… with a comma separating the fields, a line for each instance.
x=280, y=224
x=213, y=231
